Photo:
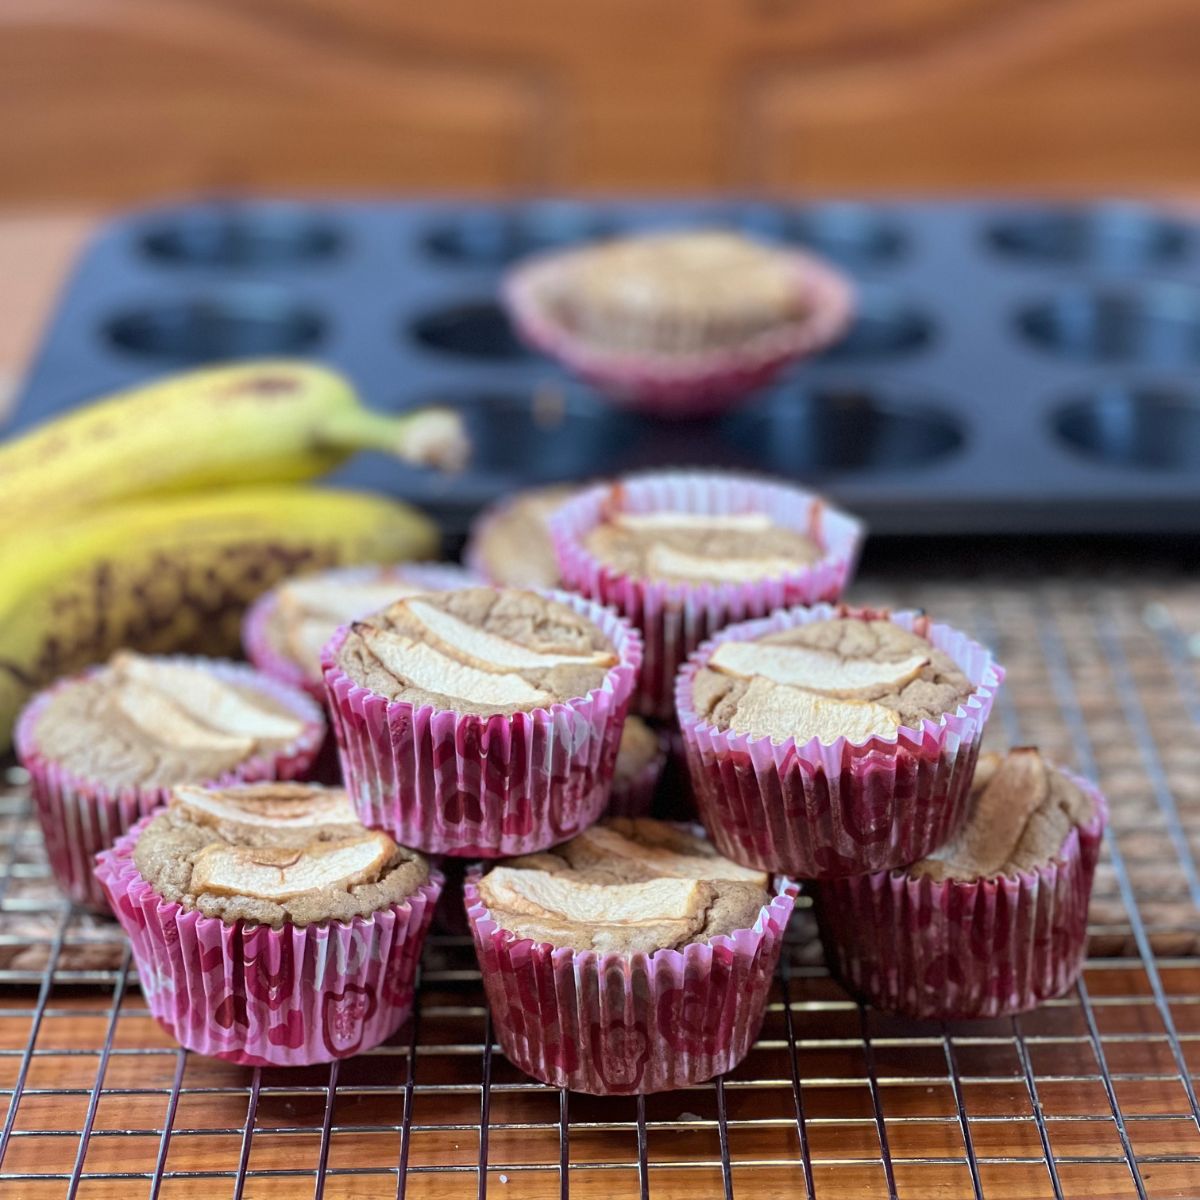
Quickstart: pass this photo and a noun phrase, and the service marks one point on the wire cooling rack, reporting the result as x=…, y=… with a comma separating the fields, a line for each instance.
x=1094, y=1095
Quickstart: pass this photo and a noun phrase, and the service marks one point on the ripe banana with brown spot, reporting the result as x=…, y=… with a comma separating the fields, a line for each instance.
x=175, y=574
x=269, y=421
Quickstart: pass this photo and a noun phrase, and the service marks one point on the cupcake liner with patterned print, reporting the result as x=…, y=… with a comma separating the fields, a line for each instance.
x=959, y=949
x=81, y=816
x=256, y=626
x=681, y=385
x=620, y=1024
x=633, y=796
x=484, y=787
x=260, y=996
x=675, y=618
x=820, y=811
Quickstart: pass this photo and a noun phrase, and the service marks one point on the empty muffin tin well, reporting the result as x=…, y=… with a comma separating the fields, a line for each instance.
x=469, y=329
x=885, y=326
x=495, y=237
x=1113, y=235
x=1139, y=428
x=1013, y=368
x=243, y=237
x=208, y=328
x=550, y=435
x=858, y=236
x=810, y=431
x=1154, y=325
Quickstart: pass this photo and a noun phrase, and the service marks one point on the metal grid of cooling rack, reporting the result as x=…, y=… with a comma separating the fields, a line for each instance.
x=1093, y=1095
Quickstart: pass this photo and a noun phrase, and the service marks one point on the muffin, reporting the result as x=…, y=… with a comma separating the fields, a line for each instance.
x=103, y=748
x=287, y=627
x=510, y=543
x=991, y=923
x=641, y=757
x=679, y=322
x=682, y=554
x=834, y=741
x=269, y=927
x=481, y=722
x=631, y=959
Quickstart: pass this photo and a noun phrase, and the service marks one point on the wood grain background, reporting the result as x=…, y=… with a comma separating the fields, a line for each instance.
x=112, y=101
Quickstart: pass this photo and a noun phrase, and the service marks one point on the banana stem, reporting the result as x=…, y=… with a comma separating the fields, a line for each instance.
x=427, y=437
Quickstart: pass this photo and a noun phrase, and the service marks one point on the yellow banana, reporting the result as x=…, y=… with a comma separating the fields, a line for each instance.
x=272, y=421
x=175, y=574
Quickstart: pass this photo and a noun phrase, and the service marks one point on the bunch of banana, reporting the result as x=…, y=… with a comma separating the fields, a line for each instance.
x=270, y=421
x=152, y=518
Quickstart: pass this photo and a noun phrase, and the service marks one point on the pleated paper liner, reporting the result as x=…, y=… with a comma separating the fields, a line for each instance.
x=819, y=811
x=484, y=787
x=681, y=384
x=81, y=816
x=953, y=949
x=614, y=1024
x=259, y=996
x=675, y=618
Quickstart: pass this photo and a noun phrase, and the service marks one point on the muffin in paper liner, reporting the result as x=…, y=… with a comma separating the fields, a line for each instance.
x=960, y=949
x=673, y=384
x=81, y=816
x=484, y=787
x=256, y=639
x=494, y=516
x=260, y=996
x=622, y=1024
x=634, y=796
x=675, y=618
x=821, y=811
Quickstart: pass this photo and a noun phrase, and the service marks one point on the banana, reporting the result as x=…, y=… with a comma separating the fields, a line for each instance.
x=273, y=421
x=175, y=574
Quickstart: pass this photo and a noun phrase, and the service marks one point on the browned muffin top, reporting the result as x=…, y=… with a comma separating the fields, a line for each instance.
x=1021, y=812
x=693, y=548
x=514, y=545
x=676, y=292
x=154, y=722
x=480, y=650
x=309, y=608
x=842, y=677
x=624, y=886
x=273, y=852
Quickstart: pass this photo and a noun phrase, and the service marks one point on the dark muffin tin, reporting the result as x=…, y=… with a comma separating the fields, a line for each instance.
x=1013, y=368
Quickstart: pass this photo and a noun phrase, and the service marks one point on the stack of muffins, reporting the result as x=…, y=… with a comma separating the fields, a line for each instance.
x=505, y=726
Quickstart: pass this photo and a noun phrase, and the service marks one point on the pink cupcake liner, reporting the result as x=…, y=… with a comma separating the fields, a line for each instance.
x=956, y=950
x=819, y=811
x=620, y=1024
x=681, y=385
x=256, y=641
x=484, y=787
x=634, y=796
x=81, y=816
x=675, y=618
x=259, y=996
